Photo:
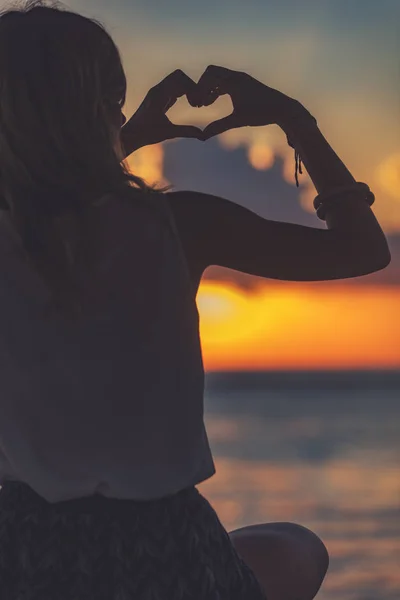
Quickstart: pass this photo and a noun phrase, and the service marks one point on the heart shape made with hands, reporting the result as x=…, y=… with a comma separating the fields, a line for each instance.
x=209, y=93
x=248, y=102
x=182, y=112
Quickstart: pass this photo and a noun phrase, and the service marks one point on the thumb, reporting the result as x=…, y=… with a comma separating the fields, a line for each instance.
x=186, y=131
x=217, y=127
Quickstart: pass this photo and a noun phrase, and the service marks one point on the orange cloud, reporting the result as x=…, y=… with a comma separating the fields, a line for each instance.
x=148, y=164
x=261, y=156
x=388, y=175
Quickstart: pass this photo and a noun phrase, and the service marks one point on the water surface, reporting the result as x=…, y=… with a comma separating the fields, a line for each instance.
x=322, y=450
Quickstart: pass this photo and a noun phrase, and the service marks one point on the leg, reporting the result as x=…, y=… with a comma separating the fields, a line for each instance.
x=289, y=560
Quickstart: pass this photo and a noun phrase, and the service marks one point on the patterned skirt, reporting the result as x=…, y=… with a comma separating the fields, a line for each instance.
x=98, y=548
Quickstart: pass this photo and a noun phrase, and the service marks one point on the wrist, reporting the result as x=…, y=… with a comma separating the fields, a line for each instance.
x=131, y=139
x=295, y=116
x=296, y=122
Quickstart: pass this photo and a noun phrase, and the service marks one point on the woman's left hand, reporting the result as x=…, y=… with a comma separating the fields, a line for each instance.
x=150, y=124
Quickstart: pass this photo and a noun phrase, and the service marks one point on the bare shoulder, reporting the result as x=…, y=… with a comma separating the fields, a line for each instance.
x=190, y=216
x=203, y=221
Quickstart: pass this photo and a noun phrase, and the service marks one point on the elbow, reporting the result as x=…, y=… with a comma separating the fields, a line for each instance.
x=383, y=260
x=381, y=255
x=364, y=241
x=365, y=253
x=377, y=261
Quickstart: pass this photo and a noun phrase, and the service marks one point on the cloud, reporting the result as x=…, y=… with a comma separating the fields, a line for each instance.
x=212, y=169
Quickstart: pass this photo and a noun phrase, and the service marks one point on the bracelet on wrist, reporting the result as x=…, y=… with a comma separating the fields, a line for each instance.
x=325, y=200
x=301, y=114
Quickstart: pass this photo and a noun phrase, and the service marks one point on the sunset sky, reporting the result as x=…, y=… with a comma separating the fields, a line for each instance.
x=341, y=60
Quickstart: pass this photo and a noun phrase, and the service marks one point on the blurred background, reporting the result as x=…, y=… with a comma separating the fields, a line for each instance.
x=303, y=380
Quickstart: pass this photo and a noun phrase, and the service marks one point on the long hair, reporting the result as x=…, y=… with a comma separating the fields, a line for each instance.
x=62, y=87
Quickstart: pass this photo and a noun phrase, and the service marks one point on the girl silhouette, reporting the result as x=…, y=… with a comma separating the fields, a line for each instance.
x=102, y=440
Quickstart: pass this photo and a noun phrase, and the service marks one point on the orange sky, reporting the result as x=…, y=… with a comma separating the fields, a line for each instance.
x=299, y=327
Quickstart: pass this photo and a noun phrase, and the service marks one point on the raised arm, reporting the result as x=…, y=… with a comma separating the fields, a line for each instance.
x=216, y=231
x=219, y=232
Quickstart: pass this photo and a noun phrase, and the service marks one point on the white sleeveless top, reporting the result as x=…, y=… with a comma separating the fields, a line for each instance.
x=113, y=403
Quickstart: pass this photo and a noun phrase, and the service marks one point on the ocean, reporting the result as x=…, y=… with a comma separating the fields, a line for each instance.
x=319, y=449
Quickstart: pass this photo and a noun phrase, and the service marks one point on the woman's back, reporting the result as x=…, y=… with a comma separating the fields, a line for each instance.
x=89, y=403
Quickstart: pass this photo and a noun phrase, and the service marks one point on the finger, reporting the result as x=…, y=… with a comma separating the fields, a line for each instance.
x=217, y=127
x=214, y=82
x=186, y=131
x=172, y=87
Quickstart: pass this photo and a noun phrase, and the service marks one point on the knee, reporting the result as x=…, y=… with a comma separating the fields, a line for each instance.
x=299, y=539
x=310, y=543
x=288, y=559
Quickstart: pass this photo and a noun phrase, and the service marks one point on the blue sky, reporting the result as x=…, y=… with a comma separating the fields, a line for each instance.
x=340, y=58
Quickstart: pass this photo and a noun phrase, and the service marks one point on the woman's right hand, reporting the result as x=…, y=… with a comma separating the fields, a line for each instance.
x=253, y=102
